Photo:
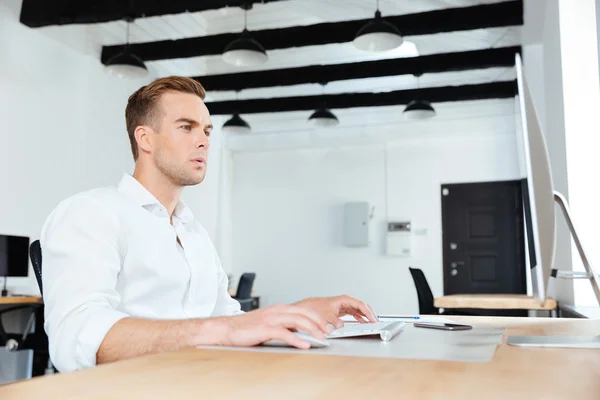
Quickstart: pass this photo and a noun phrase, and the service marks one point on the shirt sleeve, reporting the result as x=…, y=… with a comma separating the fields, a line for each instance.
x=225, y=304
x=80, y=264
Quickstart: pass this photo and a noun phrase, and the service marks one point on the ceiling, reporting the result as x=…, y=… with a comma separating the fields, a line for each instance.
x=311, y=39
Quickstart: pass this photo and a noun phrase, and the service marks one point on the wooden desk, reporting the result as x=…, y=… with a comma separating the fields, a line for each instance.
x=495, y=302
x=14, y=300
x=515, y=373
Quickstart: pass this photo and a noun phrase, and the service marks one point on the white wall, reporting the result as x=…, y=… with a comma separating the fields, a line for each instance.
x=288, y=209
x=63, y=128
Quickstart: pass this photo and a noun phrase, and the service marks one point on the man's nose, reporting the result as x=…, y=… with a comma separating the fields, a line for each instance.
x=202, y=141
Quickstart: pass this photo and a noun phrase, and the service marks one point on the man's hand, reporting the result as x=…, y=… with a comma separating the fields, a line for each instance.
x=332, y=308
x=275, y=322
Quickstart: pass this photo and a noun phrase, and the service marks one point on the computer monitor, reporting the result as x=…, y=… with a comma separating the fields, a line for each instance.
x=14, y=256
x=539, y=199
x=537, y=189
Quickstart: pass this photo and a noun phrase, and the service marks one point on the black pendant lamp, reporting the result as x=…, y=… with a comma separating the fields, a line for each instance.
x=236, y=124
x=322, y=116
x=419, y=108
x=378, y=35
x=126, y=64
x=245, y=51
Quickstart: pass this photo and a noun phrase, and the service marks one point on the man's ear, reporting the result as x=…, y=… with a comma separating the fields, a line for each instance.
x=144, y=139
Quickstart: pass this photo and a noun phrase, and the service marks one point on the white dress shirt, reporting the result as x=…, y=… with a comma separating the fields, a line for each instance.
x=112, y=253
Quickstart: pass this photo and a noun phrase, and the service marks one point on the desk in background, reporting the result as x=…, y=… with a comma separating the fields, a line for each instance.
x=16, y=300
x=515, y=373
x=37, y=340
x=496, y=302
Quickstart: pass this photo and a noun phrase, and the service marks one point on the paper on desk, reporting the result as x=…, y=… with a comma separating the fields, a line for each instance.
x=349, y=318
x=476, y=345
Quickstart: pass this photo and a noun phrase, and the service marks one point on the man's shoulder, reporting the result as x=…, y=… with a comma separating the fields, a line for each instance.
x=104, y=201
x=98, y=197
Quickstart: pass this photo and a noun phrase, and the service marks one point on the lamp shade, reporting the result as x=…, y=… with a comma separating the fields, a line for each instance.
x=323, y=118
x=245, y=51
x=378, y=35
x=419, y=109
x=236, y=124
x=126, y=65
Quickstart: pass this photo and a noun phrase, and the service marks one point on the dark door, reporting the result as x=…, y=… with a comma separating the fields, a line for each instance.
x=484, y=245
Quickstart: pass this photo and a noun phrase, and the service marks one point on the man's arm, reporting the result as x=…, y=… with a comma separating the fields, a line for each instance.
x=134, y=337
x=81, y=262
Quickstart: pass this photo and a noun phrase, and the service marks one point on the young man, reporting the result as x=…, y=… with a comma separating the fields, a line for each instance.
x=128, y=271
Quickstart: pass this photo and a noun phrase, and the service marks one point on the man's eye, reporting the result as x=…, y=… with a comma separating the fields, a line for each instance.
x=187, y=127
x=207, y=133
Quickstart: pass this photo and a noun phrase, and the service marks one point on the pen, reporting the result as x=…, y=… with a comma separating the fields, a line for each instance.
x=393, y=316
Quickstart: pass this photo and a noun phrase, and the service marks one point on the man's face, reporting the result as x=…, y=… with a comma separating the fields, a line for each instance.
x=180, y=147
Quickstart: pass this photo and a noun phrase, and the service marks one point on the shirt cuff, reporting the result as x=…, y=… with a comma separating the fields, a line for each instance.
x=92, y=334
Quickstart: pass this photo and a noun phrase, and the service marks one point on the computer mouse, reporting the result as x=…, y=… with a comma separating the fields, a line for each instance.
x=314, y=342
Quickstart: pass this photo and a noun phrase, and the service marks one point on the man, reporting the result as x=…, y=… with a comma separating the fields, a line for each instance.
x=128, y=271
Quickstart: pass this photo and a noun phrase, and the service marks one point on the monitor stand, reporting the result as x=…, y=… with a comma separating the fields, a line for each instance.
x=572, y=342
x=589, y=273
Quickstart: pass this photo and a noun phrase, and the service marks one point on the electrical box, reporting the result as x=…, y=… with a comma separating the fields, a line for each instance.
x=398, y=239
x=356, y=224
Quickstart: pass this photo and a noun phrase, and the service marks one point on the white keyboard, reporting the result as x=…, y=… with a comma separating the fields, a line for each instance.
x=385, y=329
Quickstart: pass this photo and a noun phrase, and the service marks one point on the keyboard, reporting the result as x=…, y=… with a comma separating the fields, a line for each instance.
x=385, y=329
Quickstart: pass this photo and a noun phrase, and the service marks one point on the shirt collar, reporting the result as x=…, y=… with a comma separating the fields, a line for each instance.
x=135, y=191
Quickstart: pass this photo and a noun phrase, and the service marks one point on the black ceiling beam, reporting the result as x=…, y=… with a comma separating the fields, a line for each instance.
x=494, y=90
x=448, y=20
x=38, y=13
x=459, y=61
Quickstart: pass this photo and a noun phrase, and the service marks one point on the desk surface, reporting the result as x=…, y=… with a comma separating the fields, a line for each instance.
x=20, y=300
x=494, y=302
x=515, y=373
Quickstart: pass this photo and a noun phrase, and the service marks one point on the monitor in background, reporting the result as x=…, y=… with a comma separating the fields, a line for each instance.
x=14, y=256
x=539, y=198
x=536, y=186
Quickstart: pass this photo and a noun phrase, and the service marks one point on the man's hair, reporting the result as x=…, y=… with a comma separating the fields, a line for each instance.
x=142, y=106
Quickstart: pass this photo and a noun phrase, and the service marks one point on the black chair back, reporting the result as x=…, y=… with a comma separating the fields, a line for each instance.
x=35, y=252
x=244, y=290
x=424, y=292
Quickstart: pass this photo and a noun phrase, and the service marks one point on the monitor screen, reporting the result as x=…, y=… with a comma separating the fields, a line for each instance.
x=14, y=256
x=538, y=193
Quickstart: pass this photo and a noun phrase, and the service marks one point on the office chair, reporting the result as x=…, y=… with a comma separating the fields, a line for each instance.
x=424, y=293
x=35, y=252
x=244, y=291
